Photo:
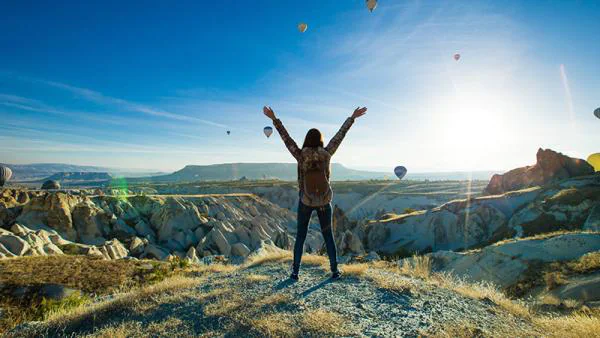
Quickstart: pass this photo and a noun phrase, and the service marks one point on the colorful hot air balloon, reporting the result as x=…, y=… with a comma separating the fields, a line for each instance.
x=5, y=174
x=594, y=160
x=51, y=185
x=597, y=112
x=371, y=5
x=268, y=131
x=456, y=56
x=400, y=171
x=302, y=27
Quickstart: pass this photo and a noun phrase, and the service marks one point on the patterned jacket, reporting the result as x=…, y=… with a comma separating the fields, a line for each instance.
x=300, y=154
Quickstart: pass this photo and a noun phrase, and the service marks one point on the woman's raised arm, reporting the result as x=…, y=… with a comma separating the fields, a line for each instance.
x=335, y=141
x=287, y=139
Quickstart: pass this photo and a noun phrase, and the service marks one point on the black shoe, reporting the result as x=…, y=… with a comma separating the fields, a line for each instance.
x=336, y=275
x=294, y=276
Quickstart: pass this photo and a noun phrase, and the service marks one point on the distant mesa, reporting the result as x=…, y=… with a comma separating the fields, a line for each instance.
x=254, y=171
x=75, y=177
x=550, y=166
x=51, y=185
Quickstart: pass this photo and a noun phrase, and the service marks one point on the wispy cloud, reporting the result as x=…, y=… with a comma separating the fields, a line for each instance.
x=100, y=98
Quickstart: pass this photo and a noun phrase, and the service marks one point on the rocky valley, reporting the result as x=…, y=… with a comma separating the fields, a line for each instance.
x=540, y=241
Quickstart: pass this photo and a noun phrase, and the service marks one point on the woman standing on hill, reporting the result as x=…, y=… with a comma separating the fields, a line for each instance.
x=313, y=181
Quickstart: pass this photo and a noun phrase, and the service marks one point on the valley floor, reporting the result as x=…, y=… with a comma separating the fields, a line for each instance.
x=257, y=299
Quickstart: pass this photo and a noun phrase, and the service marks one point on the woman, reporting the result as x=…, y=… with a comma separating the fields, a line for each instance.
x=313, y=181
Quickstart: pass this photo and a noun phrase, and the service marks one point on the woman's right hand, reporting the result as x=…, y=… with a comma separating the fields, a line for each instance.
x=269, y=112
x=358, y=112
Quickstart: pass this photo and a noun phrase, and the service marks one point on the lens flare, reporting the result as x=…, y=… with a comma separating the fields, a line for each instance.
x=119, y=187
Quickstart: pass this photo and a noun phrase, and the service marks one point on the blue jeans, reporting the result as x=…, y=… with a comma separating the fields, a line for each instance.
x=325, y=215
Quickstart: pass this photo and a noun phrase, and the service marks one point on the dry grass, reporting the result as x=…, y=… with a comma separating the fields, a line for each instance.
x=417, y=266
x=89, y=274
x=393, y=283
x=166, y=328
x=275, y=299
x=271, y=257
x=586, y=263
x=125, y=300
x=225, y=305
x=354, y=270
x=575, y=325
x=482, y=291
x=276, y=325
x=214, y=268
x=454, y=330
x=324, y=323
x=254, y=278
x=268, y=257
x=554, y=279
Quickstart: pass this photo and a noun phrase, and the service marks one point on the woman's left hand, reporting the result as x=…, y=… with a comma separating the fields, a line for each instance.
x=269, y=112
x=358, y=112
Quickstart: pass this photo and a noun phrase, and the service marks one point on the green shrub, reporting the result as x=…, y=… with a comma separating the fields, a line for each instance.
x=46, y=307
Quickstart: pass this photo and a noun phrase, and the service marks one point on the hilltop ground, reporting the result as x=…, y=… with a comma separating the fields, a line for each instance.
x=257, y=299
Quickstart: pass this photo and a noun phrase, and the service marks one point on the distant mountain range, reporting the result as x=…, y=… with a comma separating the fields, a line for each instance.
x=79, y=177
x=75, y=174
x=40, y=171
x=254, y=171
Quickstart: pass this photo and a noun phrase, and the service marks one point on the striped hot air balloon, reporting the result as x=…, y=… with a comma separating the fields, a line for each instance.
x=5, y=175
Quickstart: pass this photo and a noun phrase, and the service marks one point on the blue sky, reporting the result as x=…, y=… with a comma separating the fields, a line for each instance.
x=156, y=85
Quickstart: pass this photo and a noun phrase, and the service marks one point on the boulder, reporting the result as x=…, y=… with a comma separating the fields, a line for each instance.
x=15, y=244
x=143, y=229
x=240, y=249
x=52, y=210
x=215, y=242
x=174, y=215
x=113, y=249
x=156, y=252
x=136, y=247
x=349, y=243
x=51, y=249
x=90, y=222
x=192, y=256
x=550, y=166
x=19, y=230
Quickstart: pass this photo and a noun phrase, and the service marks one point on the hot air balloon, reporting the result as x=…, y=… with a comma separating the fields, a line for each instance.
x=456, y=56
x=594, y=160
x=371, y=5
x=268, y=131
x=228, y=132
x=51, y=185
x=400, y=171
x=597, y=112
x=302, y=27
x=5, y=174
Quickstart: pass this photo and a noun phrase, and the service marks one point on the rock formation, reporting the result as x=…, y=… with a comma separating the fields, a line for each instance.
x=550, y=166
x=45, y=223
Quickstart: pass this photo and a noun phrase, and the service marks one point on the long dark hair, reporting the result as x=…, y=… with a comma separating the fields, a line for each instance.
x=313, y=139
